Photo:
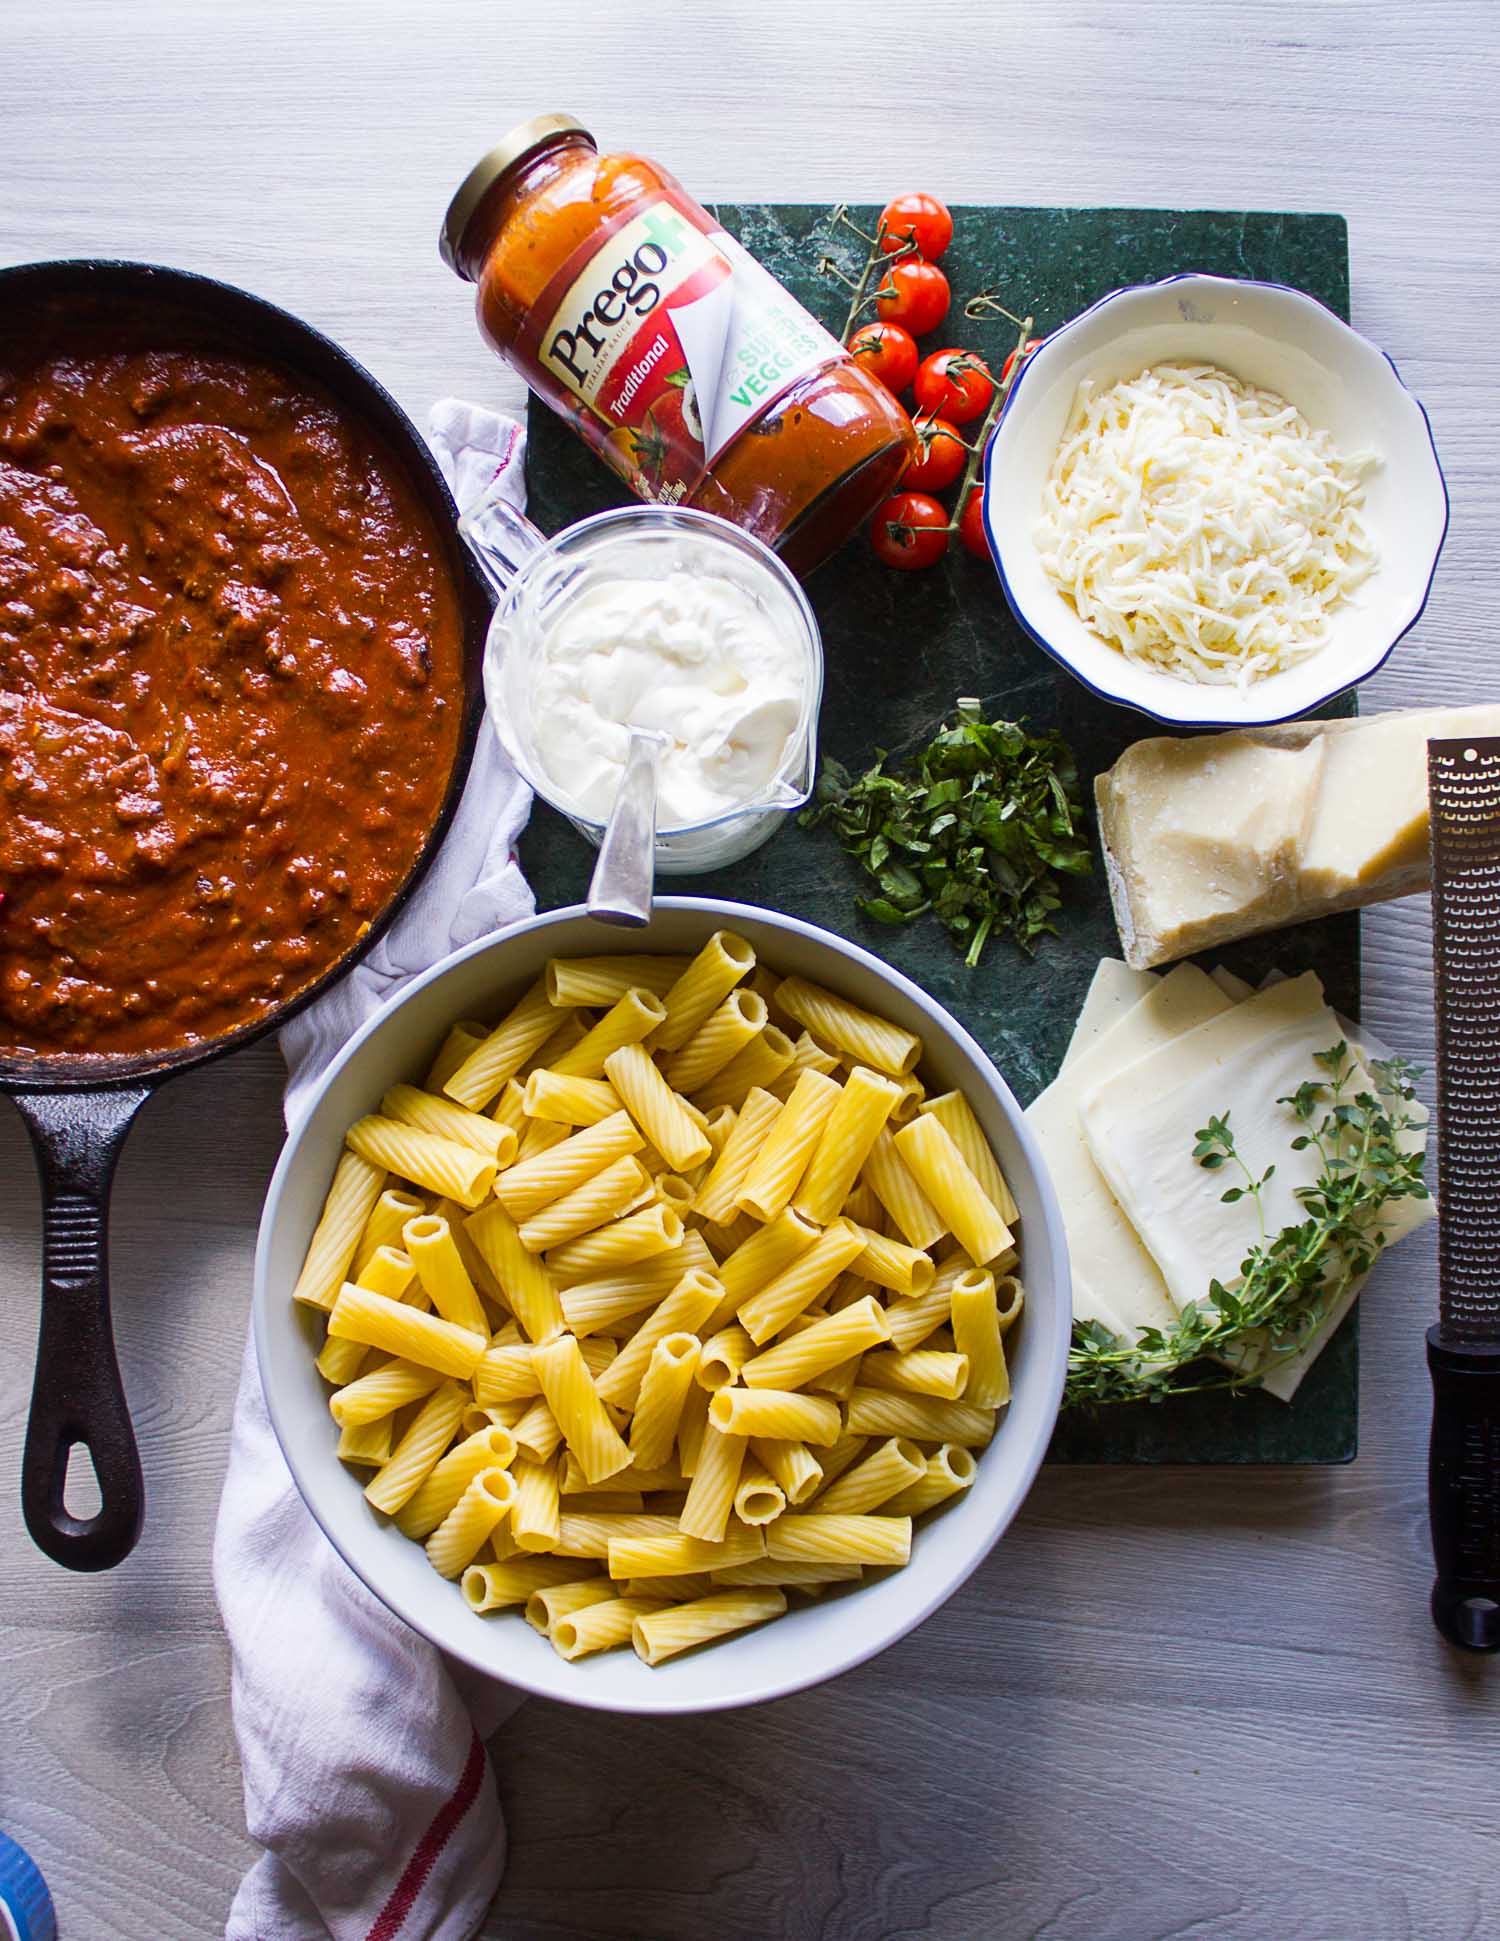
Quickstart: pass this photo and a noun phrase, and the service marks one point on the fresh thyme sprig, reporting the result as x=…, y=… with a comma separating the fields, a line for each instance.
x=1291, y=1280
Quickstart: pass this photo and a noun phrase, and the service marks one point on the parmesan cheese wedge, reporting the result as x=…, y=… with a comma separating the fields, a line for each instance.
x=1220, y=836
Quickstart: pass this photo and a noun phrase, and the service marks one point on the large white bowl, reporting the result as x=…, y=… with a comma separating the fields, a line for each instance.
x=809, y=1644
x=1265, y=334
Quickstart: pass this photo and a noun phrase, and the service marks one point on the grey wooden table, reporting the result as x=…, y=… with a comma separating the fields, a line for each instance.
x=1184, y=1703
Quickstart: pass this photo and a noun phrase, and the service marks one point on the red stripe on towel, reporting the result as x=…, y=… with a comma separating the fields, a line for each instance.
x=392, y=1917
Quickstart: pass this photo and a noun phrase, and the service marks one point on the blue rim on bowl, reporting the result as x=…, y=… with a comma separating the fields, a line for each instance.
x=812, y=1644
x=1109, y=674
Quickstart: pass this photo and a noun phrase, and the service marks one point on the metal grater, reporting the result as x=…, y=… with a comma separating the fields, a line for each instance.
x=1463, y=1350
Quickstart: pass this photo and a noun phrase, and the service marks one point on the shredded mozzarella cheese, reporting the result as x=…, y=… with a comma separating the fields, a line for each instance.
x=1202, y=526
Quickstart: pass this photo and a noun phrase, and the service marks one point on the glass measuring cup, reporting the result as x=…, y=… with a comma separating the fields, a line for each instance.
x=537, y=578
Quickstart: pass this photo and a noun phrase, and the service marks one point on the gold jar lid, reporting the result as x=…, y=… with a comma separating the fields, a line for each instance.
x=476, y=185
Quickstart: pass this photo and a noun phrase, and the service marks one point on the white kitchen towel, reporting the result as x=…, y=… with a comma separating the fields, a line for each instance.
x=366, y=1776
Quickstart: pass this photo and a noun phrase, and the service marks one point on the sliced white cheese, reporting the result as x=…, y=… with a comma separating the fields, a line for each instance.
x=1219, y=836
x=1115, y=989
x=1115, y=1280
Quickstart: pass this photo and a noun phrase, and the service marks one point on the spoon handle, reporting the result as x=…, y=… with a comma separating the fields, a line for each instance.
x=620, y=891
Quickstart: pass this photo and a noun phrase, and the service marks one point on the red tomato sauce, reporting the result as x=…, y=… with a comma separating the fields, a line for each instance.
x=231, y=692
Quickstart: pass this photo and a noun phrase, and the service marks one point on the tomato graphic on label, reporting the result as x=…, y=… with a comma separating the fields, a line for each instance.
x=676, y=411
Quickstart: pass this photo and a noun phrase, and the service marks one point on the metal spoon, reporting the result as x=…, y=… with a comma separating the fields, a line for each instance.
x=620, y=891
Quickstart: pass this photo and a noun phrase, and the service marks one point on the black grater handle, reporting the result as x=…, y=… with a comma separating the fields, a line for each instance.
x=1463, y=1490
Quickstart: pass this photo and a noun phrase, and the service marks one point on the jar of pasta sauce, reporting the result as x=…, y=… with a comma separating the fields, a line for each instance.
x=685, y=364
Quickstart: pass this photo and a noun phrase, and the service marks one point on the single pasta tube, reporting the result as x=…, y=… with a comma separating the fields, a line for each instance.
x=467, y=1527
x=411, y=1106
x=813, y=1538
x=716, y=1477
x=505, y=1375
x=654, y=1229
x=913, y=1318
x=813, y=1350
x=660, y=1115
x=463, y=1038
x=892, y=1467
x=782, y=1415
x=427, y=1436
x=724, y=1355
x=939, y=1169
x=894, y=1185
x=381, y=1392
x=490, y=1447
x=953, y=1111
x=759, y=1064
x=662, y=1634
x=658, y=1409
x=599, y=1627
x=356, y=1187
x=726, y=1032
x=880, y=1412
x=723, y=962
x=596, y=1302
x=799, y=1576
x=530, y=1291
x=590, y=1534
x=491, y=1587
x=535, y=1519
x=837, y=1022
x=502, y=1054
x=949, y=1471
x=690, y=1430
x=445, y=1280
x=758, y=1497
x=383, y=1228
x=535, y=1183
x=720, y=1191
x=798, y=1285
x=778, y=1167
x=891, y=1263
x=976, y=1335
x=440, y=1165
x=760, y=1260
x=677, y=1555
x=605, y=980
x=544, y=1607
x=684, y=1310
x=850, y=1130
x=635, y=1016
x=797, y=1471
x=1010, y=1299
x=398, y=1329
x=579, y=1412
x=569, y=1101
x=924, y=1371
x=603, y=1197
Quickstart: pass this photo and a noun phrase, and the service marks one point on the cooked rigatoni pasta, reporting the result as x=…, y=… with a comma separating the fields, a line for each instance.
x=635, y=1016
x=634, y=1307
x=411, y=1106
x=777, y=1169
x=661, y=1634
x=940, y=1170
x=529, y=1024
x=724, y=961
x=834, y=1021
x=357, y=1182
x=660, y=1115
x=718, y=1196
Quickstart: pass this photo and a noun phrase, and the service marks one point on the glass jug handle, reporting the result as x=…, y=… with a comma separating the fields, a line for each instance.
x=500, y=538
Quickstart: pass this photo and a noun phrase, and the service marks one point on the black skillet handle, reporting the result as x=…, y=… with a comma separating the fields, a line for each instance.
x=1463, y=1488
x=77, y=1395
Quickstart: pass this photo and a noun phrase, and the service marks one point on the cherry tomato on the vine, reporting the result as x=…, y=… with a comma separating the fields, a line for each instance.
x=1032, y=343
x=886, y=351
x=910, y=530
x=971, y=524
x=954, y=384
x=944, y=455
x=913, y=294
x=919, y=219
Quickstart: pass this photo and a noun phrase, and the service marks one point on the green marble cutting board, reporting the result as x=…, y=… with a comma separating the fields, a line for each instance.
x=902, y=646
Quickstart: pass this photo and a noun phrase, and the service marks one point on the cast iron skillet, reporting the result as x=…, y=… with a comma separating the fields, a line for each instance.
x=78, y=1109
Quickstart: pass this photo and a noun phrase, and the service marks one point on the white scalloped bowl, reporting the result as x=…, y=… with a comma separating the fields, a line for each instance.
x=844, y=1627
x=1264, y=334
